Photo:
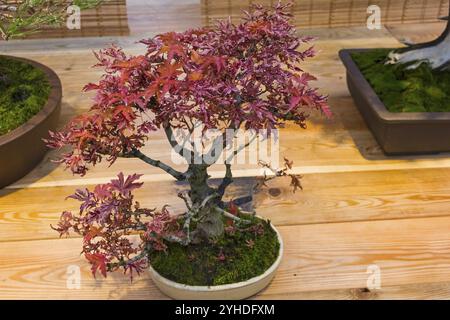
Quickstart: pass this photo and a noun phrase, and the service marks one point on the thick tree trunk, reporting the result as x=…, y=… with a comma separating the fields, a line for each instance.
x=210, y=224
x=436, y=53
x=198, y=181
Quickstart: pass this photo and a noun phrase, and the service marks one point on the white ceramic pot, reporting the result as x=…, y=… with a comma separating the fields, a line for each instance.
x=233, y=291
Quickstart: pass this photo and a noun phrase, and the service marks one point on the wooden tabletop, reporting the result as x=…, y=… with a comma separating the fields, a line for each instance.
x=359, y=207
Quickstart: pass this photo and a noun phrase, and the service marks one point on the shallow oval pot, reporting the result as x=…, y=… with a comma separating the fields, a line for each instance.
x=22, y=148
x=233, y=291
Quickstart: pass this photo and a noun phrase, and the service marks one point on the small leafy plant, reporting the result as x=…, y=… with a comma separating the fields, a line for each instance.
x=245, y=76
x=19, y=18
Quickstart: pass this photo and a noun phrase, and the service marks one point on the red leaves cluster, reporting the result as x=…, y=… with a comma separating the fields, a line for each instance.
x=161, y=225
x=246, y=75
x=116, y=232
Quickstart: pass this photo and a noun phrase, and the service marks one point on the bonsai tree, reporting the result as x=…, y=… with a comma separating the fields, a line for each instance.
x=229, y=77
x=436, y=53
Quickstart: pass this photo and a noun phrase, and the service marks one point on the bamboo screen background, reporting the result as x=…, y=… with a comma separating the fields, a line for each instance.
x=336, y=13
x=108, y=19
x=111, y=18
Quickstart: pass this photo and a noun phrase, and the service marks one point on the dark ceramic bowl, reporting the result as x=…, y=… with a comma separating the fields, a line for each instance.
x=22, y=149
x=397, y=133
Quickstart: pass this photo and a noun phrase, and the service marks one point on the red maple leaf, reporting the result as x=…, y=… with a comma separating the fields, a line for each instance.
x=102, y=191
x=126, y=112
x=196, y=75
x=92, y=233
x=82, y=137
x=234, y=210
x=131, y=63
x=169, y=70
x=98, y=261
x=125, y=187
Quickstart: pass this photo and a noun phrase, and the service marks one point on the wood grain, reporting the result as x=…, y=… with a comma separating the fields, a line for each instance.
x=358, y=207
x=318, y=258
x=326, y=198
x=423, y=291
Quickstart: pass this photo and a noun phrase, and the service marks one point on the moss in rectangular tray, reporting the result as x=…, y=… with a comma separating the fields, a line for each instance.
x=402, y=90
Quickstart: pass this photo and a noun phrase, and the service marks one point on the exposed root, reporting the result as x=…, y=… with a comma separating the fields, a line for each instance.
x=231, y=216
x=437, y=57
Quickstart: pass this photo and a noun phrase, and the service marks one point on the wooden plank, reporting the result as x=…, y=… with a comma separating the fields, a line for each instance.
x=319, y=257
x=74, y=47
x=323, y=148
x=423, y=291
x=374, y=195
x=336, y=256
x=326, y=198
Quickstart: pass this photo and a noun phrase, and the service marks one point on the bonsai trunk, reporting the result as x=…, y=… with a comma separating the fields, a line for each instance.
x=436, y=53
x=204, y=205
x=198, y=182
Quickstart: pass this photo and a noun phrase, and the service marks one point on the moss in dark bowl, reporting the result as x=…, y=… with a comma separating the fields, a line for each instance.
x=235, y=257
x=403, y=90
x=24, y=91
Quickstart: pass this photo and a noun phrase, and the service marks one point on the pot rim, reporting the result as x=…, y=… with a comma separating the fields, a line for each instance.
x=229, y=286
x=53, y=100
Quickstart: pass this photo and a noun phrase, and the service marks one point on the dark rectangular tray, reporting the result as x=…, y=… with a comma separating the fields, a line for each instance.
x=397, y=133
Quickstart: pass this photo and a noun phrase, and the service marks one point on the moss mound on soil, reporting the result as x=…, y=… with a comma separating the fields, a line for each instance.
x=244, y=255
x=401, y=90
x=24, y=91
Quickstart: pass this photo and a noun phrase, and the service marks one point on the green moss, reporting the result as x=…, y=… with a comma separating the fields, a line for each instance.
x=401, y=90
x=199, y=264
x=24, y=90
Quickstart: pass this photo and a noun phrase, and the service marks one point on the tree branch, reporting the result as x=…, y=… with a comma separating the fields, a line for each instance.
x=156, y=163
x=3, y=32
x=176, y=146
x=211, y=153
x=227, y=180
x=228, y=215
x=243, y=200
x=186, y=199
